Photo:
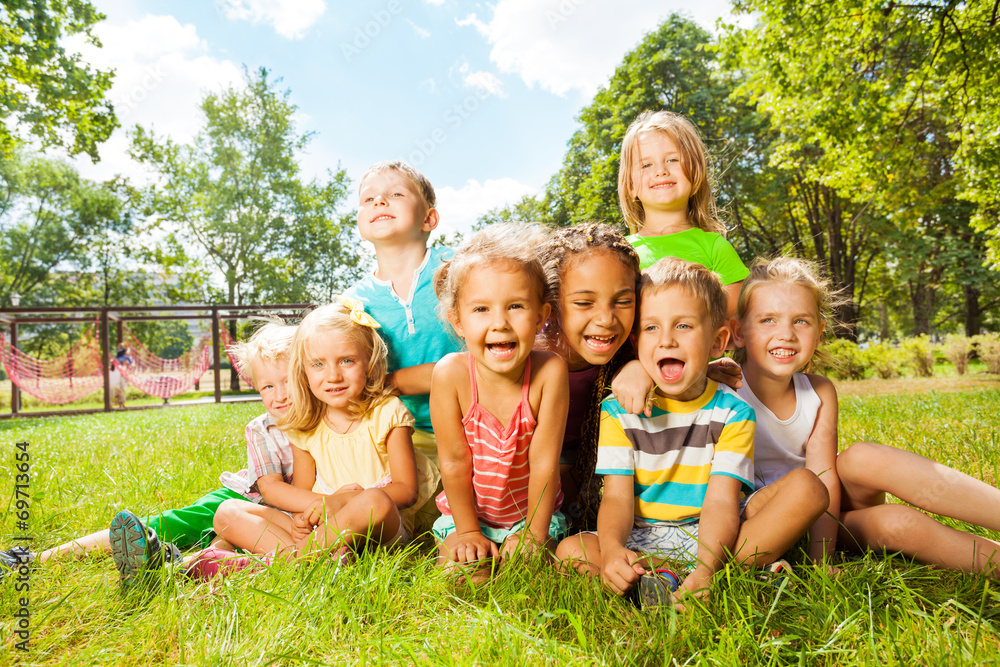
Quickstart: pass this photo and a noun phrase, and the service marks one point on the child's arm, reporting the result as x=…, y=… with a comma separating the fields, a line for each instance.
x=402, y=467
x=412, y=380
x=303, y=479
x=732, y=298
x=633, y=388
x=717, y=531
x=276, y=492
x=821, y=458
x=546, y=444
x=456, y=459
x=615, y=518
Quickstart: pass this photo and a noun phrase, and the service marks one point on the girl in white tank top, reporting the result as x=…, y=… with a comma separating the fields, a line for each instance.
x=781, y=317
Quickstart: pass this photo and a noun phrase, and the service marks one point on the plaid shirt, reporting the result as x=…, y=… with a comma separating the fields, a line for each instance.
x=268, y=452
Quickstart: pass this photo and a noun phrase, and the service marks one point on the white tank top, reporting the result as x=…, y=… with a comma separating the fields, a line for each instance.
x=779, y=445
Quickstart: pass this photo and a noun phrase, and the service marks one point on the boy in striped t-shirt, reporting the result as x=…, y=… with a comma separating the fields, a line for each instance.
x=675, y=482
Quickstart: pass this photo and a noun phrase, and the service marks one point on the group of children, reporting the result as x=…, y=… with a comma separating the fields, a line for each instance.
x=483, y=374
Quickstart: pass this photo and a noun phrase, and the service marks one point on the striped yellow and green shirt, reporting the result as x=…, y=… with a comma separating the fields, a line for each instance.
x=673, y=453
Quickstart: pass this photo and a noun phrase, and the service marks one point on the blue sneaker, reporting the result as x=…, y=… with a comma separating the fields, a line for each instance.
x=13, y=558
x=656, y=589
x=136, y=549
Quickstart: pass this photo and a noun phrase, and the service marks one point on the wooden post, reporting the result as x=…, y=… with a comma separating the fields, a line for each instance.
x=106, y=358
x=121, y=335
x=217, y=353
x=15, y=391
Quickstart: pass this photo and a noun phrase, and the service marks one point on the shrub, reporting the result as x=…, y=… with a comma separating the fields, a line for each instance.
x=919, y=353
x=848, y=363
x=988, y=348
x=885, y=359
x=956, y=349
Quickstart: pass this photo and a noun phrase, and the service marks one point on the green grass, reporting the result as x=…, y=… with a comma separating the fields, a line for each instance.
x=396, y=607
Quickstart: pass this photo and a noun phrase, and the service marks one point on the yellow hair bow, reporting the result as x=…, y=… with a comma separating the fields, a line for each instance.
x=358, y=314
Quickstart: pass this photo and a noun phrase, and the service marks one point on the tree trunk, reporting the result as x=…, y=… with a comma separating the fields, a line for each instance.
x=234, y=376
x=971, y=294
x=922, y=298
x=883, y=320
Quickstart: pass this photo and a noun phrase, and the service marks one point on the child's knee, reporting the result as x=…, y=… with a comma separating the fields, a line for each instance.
x=225, y=514
x=857, y=460
x=809, y=490
x=891, y=527
x=377, y=503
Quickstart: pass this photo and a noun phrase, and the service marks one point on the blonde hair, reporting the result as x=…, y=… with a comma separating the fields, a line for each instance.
x=419, y=181
x=504, y=243
x=271, y=343
x=701, y=211
x=306, y=410
x=700, y=281
x=792, y=271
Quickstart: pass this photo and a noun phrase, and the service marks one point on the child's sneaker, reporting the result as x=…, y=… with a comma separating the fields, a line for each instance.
x=136, y=549
x=13, y=558
x=776, y=572
x=656, y=588
x=213, y=562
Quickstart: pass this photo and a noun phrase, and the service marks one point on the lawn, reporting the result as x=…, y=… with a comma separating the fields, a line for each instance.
x=395, y=607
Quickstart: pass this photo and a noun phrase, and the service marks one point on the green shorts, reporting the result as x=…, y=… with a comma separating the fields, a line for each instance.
x=445, y=526
x=192, y=525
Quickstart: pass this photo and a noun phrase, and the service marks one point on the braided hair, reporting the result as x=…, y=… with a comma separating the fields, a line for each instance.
x=563, y=247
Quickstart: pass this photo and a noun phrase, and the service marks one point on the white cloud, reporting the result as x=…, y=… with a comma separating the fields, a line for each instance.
x=486, y=82
x=564, y=45
x=162, y=72
x=422, y=33
x=290, y=18
x=459, y=208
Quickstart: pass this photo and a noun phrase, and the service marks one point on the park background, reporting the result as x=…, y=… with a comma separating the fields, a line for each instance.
x=210, y=152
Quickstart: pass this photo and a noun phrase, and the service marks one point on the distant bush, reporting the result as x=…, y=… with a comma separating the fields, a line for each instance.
x=956, y=348
x=919, y=353
x=988, y=349
x=885, y=359
x=848, y=361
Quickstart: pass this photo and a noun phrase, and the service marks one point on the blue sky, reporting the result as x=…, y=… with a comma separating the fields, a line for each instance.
x=482, y=97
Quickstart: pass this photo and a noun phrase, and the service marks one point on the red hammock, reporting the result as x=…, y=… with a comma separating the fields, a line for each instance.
x=164, y=378
x=64, y=379
x=227, y=343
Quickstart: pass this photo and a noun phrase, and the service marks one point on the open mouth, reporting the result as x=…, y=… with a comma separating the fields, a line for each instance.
x=502, y=351
x=782, y=353
x=671, y=369
x=381, y=218
x=600, y=344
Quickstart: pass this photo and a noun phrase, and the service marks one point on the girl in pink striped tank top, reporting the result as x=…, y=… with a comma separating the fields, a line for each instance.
x=499, y=410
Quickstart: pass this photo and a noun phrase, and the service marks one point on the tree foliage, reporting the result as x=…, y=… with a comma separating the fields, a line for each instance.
x=46, y=92
x=236, y=196
x=883, y=89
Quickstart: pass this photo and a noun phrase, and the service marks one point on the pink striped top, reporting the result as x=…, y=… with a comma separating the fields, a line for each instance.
x=499, y=459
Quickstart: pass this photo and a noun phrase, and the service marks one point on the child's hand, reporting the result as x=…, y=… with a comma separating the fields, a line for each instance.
x=354, y=486
x=695, y=584
x=620, y=569
x=301, y=527
x=472, y=547
x=725, y=371
x=523, y=543
x=633, y=389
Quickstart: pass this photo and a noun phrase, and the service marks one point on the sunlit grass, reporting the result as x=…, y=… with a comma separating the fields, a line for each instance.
x=397, y=608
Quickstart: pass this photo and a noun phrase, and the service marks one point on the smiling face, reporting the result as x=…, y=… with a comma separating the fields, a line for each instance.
x=271, y=380
x=658, y=179
x=596, y=308
x=390, y=208
x=498, y=314
x=336, y=368
x=781, y=330
x=676, y=340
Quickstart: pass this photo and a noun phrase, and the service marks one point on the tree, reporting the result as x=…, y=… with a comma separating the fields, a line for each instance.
x=47, y=92
x=875, y=85
x=236, y=195
x=51, y=219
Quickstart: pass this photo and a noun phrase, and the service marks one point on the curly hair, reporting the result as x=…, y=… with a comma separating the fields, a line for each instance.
x=701, y=211
x=558, y=254
x=792, y=271
x=306, y=411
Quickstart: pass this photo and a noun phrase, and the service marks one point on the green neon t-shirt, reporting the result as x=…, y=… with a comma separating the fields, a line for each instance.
x=694, y=245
